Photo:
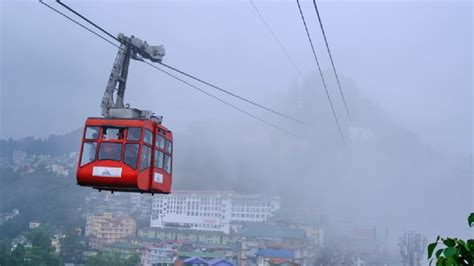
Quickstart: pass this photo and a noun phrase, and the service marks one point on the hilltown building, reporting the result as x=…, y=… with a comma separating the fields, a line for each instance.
x=6, y=216
x=105, y=229
x=158, y=255
x=140, y=206
x=210, y=210
x=201, y=236
x=266, y=244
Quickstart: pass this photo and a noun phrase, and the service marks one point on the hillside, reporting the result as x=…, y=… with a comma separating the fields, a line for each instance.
x=54, y=145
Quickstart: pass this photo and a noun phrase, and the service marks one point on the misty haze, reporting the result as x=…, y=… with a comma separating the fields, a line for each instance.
x=256, y=151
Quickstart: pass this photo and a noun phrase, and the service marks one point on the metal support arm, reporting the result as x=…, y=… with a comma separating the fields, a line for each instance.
x=129, y=48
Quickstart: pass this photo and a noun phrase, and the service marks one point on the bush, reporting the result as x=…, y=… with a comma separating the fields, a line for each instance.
x=454, y=251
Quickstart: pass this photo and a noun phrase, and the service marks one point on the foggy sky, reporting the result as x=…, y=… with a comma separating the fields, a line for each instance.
x=406, y=69
x=414, y=59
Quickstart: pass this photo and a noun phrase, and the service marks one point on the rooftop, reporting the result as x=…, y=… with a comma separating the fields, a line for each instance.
x=121, y=245
x=272, y=231
x=200, y=254
x=276, y=253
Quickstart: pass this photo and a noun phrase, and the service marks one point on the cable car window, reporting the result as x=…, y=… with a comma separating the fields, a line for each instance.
x=130, y=156
x=167, y=164
x=160, y=141
x=148, y=137
x=88, y=152
x=112, y=133
x=146, y=157
x=134, y=133
x=92, y=132
x=158, y=159
x=110, y=151
x=168, y=146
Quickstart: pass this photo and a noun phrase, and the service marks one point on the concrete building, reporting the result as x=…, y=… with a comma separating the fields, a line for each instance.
x=158, y=255
x=198, y=261
x=310, y=222
x=126, y=250
x=263, y=244
x=117, y=203
x=210, y=210
x=34, y=224
x=140, y=206
x=56, y=242
x=6, y=216
x=105, y=229
x=175, y=234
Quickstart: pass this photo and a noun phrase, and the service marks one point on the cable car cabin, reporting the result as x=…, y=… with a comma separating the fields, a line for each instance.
x=132, y=155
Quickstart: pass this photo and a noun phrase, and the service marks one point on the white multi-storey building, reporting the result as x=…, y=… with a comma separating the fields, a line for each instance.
x=210, y=210
x=140, y=206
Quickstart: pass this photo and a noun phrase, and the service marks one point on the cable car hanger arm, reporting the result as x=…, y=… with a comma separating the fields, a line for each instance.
x=134, y=48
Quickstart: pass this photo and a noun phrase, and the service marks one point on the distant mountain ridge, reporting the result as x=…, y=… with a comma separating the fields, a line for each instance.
x=54, y=145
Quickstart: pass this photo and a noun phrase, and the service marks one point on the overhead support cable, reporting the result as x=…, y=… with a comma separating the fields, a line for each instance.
x=221, y=100
x=189, y=75
x=86, y=19
x=79, y=24
x=175, y=77
x=276, y=38
x=330, y=57
x=233, y=94
x=321, y=74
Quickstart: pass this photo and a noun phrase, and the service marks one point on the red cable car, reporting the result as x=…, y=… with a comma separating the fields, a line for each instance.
x=128, y=149
x=126, y=155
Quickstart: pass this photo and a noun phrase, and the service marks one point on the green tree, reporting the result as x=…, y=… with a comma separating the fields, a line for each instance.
x=13, y=227
x=39, y=239
x=133, y=260
x=112, y=259
x=17, y=256
x=71, y=247
x=41, y=252
x=4, y=252
x=454, y=251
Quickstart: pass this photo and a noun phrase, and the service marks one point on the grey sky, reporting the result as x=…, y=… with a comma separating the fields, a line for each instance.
x=414, y=59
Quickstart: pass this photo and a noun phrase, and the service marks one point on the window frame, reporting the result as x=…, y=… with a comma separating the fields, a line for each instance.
x=166, y=153
x=156, y=151
x=142, y=148
x=145, y=135
x=138, y=154
x=111, y=142
x=159, y=136
x=95, y=153
x=134, y=140
x=98, y=133
x=167, y=141
x=171, y=163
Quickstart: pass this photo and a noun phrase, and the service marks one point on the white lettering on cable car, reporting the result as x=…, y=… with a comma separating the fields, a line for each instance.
x=157, y=177
x=107, y=171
